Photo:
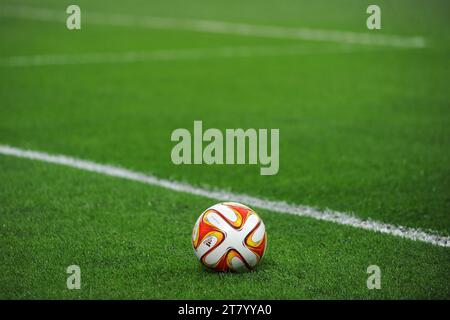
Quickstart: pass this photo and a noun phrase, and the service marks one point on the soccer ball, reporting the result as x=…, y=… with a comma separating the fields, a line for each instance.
x=229, y=237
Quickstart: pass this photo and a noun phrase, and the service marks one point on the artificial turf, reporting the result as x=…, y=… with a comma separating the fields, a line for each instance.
x=365, y=131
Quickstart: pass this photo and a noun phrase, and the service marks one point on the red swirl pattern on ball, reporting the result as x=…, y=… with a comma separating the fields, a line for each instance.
x=205, y=229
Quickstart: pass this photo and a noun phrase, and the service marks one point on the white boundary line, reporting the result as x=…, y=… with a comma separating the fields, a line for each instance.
x=167, y=55
x=241, y=29
x=277, y=206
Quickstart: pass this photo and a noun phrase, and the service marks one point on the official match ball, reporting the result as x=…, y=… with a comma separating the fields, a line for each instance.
x=229, y=237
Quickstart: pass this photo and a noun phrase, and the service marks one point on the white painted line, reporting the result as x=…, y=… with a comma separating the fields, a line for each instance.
x=430, y=237
x=208, y=26
x=167, y=55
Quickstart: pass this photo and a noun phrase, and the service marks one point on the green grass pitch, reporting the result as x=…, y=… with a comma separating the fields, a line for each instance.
x=364, y=131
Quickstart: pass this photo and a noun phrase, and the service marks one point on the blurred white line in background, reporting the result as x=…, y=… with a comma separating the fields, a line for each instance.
x=430, y=236
x=210, y=26
x=168, y=55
